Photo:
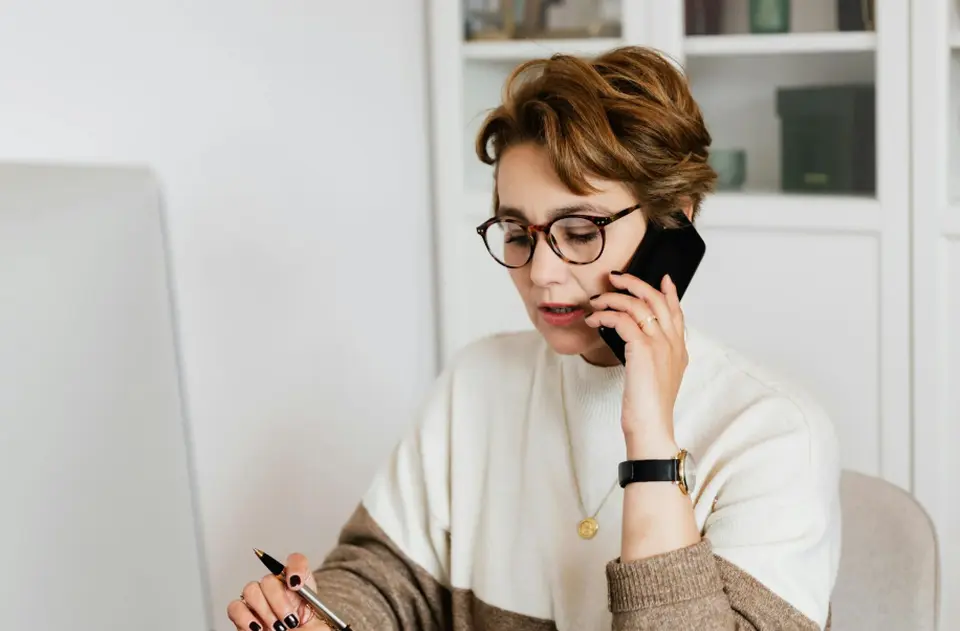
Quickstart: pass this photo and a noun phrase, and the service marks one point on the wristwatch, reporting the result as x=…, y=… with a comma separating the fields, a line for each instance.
x=681, y=470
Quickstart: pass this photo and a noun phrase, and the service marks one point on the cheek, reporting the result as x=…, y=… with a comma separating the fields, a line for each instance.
x=521, y=281
x=595, y=278
x=621, y=246
x=619, y=256
x=616, y=256
x=619, y=253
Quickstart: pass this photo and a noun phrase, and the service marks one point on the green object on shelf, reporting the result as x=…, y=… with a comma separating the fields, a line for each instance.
x=770, y=16
x=828, y=139
x=731, y=168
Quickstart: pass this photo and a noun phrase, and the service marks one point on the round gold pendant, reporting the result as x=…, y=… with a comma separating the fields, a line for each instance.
x=588, y=528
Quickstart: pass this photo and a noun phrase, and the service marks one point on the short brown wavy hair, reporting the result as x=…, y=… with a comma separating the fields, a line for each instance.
x=627, y=115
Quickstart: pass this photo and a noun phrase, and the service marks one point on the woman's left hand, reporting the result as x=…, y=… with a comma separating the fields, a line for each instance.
x=650, y=322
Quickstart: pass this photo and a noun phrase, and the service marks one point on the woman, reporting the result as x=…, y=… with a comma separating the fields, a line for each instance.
x=503, y=508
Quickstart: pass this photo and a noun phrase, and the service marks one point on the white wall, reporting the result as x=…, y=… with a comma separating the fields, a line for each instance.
x=294, y=153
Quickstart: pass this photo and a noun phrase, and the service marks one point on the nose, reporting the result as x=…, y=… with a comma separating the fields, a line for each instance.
x=546, y=268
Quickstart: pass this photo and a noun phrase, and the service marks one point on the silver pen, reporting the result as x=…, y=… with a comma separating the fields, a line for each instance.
x=277, y=569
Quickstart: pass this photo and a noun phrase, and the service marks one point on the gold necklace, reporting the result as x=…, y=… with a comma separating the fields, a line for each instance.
x=588, y=526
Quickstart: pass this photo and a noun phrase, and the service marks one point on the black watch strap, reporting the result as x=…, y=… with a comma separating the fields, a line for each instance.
x=649, y=471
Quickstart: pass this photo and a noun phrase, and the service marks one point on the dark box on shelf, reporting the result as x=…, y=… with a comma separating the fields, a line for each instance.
x=856, y=15
x=828, y=139
x=703, y=17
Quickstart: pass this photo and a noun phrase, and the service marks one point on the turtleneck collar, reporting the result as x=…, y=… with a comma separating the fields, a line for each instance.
x=593, y=394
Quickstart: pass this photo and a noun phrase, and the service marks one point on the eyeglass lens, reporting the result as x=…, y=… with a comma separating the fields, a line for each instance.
x=578, y=240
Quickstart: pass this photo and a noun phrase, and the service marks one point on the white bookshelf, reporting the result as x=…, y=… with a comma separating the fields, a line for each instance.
x=789, y=44
x=935, y=212
x=773, y=212
x=826, y=288
x=517, y=51
x=694, y=45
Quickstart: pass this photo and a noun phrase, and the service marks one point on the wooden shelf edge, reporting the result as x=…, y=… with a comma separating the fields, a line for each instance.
x=774, y=44
x=521, y=50
x=754, y=211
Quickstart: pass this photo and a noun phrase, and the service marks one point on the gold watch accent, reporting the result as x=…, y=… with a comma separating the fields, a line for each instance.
x=682, y=463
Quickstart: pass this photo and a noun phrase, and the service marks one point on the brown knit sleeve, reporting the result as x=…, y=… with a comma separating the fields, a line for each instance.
x=692, y=588
x=370, y=584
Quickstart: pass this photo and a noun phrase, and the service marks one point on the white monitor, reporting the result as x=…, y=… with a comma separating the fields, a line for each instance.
x=97, y=517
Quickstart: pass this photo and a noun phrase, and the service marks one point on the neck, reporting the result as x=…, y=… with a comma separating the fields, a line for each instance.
x=600, y=355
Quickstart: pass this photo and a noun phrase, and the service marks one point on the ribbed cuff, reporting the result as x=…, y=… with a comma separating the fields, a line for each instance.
x=665, y=579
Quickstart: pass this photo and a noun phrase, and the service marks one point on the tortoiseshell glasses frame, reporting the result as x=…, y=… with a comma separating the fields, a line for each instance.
x=531, y=231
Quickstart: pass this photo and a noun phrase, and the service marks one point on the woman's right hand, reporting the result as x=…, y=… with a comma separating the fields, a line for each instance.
x=272, y=605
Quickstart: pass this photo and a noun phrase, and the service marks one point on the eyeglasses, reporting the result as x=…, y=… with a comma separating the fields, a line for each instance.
x=576, y=239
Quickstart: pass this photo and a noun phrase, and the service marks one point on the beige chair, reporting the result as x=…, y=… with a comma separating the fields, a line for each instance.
x=888, y=568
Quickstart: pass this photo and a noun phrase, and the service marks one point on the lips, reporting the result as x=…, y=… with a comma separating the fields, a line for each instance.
x=558, y=314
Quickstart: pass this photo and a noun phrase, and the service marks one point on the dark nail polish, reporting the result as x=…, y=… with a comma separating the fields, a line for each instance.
x=254, y=626
x=279, y=626
x=294, y=580
x=595, y=297
x=616, y=273
x=292, y=621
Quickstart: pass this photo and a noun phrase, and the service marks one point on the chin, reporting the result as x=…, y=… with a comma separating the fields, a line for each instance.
x=569, y=340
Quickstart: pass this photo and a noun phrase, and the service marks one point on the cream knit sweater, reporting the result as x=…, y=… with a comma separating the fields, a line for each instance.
x=472, y=523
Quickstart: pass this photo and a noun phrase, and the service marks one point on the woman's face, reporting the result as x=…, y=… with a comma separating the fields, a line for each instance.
x=549, y=286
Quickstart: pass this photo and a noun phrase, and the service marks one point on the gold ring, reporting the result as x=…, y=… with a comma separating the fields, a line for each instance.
x=647, y=320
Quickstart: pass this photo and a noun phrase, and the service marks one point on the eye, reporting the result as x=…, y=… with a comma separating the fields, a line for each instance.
x=519, y=237
x=513, y=233
x=582, y=237
x=577, y=231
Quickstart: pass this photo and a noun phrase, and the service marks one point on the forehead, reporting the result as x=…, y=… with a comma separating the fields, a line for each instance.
x=528, y=185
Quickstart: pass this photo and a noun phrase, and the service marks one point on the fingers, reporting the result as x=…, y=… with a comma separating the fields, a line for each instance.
x=655, y=300
x=269, y=606
x=282, y=603
x=257, y=602
x=624, y=324
x=298, y=572
x=241, y=616
x=636, y=308
x=273, y=604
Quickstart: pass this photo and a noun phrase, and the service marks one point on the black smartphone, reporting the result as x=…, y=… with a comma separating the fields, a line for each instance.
x=674, y=251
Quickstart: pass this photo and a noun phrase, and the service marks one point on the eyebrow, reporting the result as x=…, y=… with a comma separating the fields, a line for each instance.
x=573, y=209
